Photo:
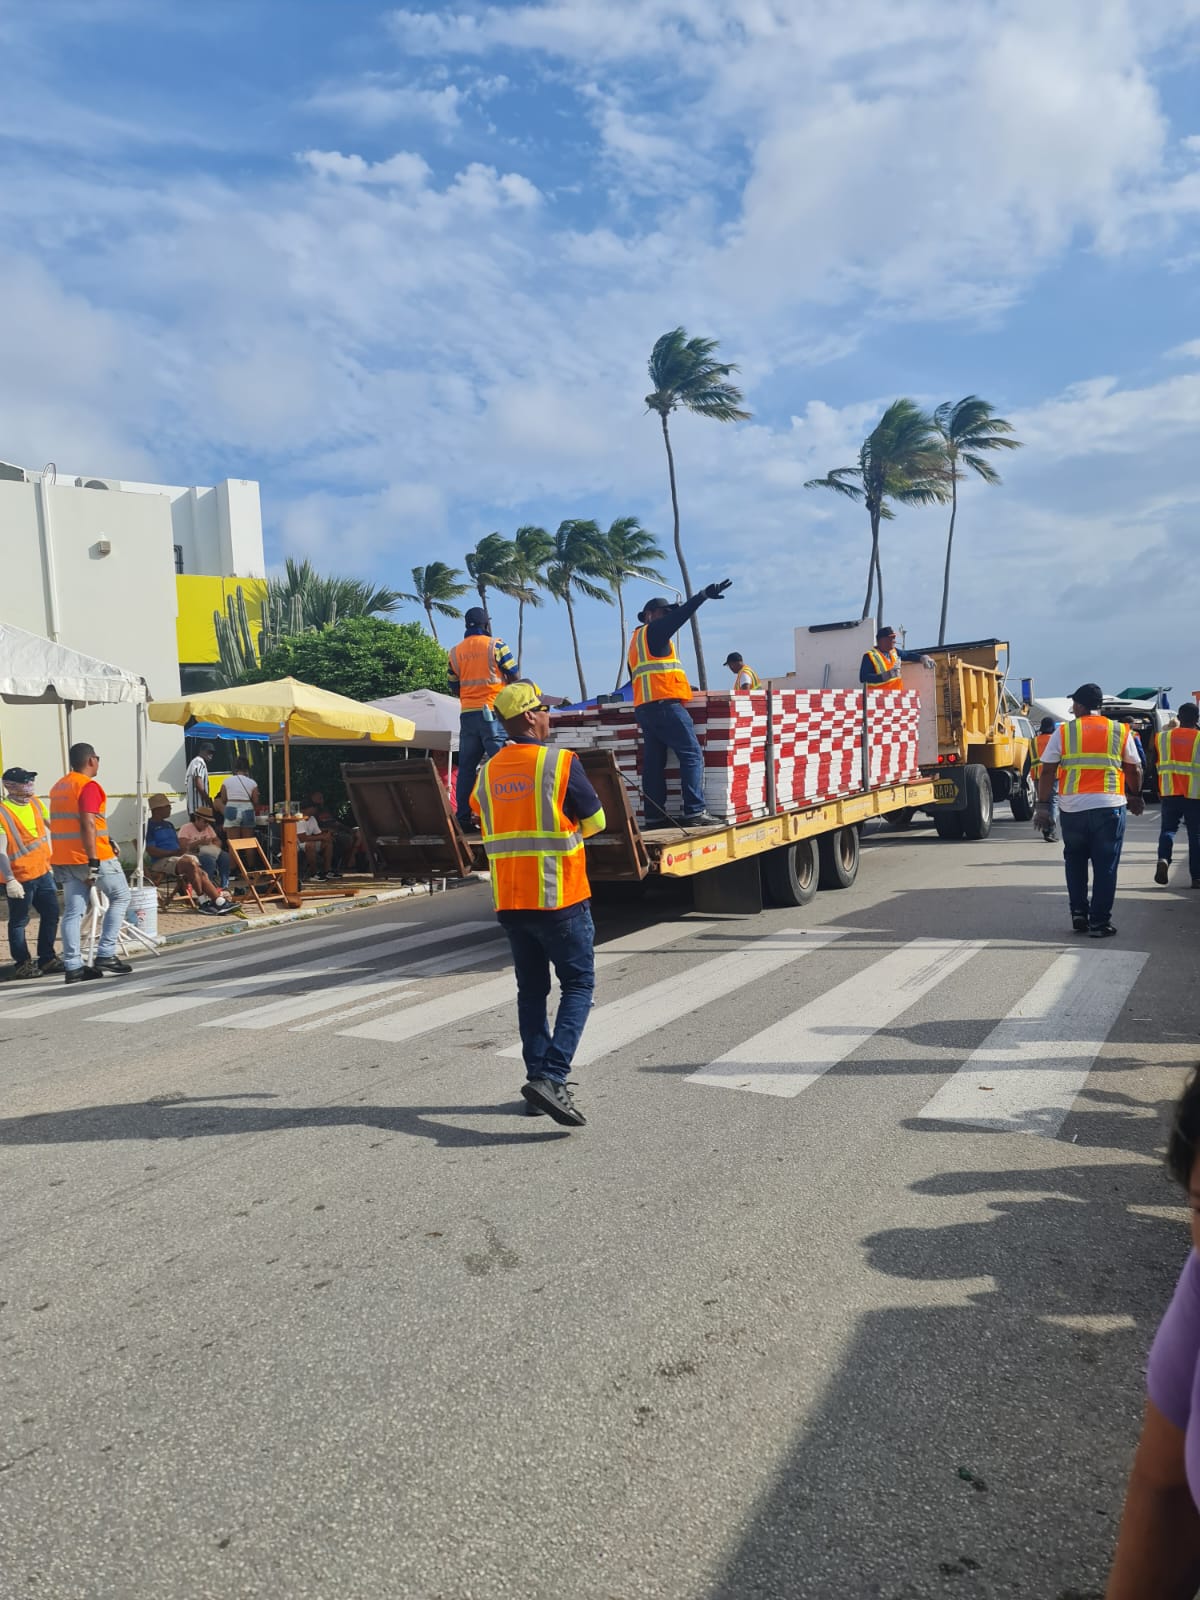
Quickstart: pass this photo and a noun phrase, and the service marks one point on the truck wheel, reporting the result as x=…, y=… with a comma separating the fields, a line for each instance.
x=790, y=873
x=1021, y=800
x=900, y=819
x=838, y=855
x=949, y=824
x=977, y=818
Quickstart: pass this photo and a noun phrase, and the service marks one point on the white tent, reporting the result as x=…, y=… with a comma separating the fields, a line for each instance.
x=436, y=717
x=38, y=672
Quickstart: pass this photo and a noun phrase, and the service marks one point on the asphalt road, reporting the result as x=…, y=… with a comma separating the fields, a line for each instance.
x=295, y=1304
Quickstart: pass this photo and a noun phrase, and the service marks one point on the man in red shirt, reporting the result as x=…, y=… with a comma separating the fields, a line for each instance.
x=83, y=856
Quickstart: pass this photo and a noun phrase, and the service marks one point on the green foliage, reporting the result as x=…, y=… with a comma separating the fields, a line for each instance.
x=967, y=429
x=235, y=645
x=323, y=600
x=579, y=560
x=490, y=566
x=365, y=658
x=629, y=552
x=435, y=586
x=532, y=548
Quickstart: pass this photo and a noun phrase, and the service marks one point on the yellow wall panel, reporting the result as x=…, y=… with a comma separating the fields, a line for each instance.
x=197, y=598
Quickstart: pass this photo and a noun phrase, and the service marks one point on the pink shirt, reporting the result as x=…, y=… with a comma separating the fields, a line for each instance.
x=191, y=838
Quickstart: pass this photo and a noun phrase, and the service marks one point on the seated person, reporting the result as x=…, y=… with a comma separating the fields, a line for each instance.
x=313, y=837
x=165, y=854
x=198, y=838
x=240, y=799
x=347, y=840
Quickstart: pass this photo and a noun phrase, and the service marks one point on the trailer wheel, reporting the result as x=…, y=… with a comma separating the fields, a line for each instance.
x=977, y=818
x=838, y=855
x=1021, y=800
x=900, y=819
x=791, y=873
x=949, y=824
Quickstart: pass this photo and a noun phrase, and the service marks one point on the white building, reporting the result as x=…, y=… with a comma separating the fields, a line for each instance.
x=96, y=564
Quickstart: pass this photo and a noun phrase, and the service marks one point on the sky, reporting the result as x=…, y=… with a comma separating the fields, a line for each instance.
x=405, y=268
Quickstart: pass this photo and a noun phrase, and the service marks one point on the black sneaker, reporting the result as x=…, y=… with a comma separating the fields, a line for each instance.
x=52, y=967
x=702, y=819
x=533, y=1111
x=1104, y=931
x=113, y=964
x=82, y=974
x=555, y=1100
x=1050, y=835
x=1161, y=870
x=27, y=969
x=1079, y=923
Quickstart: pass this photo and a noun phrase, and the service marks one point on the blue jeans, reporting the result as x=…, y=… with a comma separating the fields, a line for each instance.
x=538, y=942
x=666, y=725
x=1176, y=809
x=480, y=735
x=216, y=864
x=1094, y=836
x=75, y=890
x=42, y=897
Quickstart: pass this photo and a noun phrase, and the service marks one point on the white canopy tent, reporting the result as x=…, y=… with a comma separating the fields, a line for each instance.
x=435, y=716
x=38, y=672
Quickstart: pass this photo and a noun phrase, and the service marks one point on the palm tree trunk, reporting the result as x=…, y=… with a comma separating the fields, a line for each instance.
x=481, y=590
x=621, y=611
x=879, y=587
x=583, y=694
x=432, y=624
x=871, y=566
x=520, y=633
x=949, y=547
x=701, y=674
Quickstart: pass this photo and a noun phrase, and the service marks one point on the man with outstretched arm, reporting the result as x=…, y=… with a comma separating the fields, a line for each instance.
x=536, y=807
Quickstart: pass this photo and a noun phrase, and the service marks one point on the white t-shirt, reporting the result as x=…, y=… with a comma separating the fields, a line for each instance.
x=1087, y=802
x=308, y=825
x=197, y=784
x=240, y=788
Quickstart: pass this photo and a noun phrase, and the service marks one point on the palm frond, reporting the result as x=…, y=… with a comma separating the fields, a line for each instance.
x=981, y=466
x=594, y=591
x=842, y=480
x=685, y=373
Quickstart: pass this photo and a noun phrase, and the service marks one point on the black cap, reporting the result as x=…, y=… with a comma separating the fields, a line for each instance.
x=1047, y=725
x=1090, y=695
x=659, y=603
x=477, y=617
x=734, y=659
x=18, y=775
x=881, y=632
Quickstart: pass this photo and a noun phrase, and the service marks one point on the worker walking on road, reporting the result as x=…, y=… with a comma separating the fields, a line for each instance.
x=26, y=874
x=1094, y=764
x=1178, y=752
x=536, y=807
x=661, y=692
x=744, y=677
x=480, y=666
x=84, y=857
x=1040, y=740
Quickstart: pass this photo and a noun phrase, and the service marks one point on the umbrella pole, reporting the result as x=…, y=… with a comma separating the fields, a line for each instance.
x=289, y=849
x=140, y=712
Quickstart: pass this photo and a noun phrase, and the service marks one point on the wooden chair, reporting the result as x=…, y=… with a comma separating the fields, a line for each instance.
x=253, y=867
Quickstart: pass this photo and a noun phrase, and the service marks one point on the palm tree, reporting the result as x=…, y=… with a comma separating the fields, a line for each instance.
x=321, y=601
x=685, y=373
x=579, y=558
x=968, y=429
x=629, y=551
x=901, y=460
x=434, y=587
x=532, y=548
x=489, y=566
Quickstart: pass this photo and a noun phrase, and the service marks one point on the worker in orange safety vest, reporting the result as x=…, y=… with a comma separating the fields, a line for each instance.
x=84, y=857
x=1093, y=761
x=536, y=807
x=1178, y=751
x=1040, y=740
x=480, y=666
x=26, y=874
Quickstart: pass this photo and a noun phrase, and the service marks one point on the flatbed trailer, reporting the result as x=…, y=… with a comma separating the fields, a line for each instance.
x=781, y=859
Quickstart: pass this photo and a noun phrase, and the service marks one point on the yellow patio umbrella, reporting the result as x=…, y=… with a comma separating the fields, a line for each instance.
x=300, y=709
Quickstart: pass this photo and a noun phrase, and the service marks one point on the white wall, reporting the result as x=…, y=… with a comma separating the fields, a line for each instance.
x=219, y=530
x=120, y=607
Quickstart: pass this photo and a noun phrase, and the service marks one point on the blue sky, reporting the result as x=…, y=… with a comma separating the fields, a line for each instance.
x=405, y=267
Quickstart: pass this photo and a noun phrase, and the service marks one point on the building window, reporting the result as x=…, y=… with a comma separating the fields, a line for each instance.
x=178, y=558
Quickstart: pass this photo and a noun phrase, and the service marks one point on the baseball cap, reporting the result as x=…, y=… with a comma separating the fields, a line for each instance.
x=886, y=633
x=733, y=659
x=476, y=617
x=1090, y=695
x=518, y=698
x=659, y=603
x=18, y=775
x=157, y=800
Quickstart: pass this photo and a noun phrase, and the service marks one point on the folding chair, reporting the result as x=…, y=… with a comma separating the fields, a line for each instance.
x=253, y=867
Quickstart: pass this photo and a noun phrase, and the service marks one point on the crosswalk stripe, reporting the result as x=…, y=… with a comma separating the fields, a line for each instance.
x=178, y=971
x=111, y=989
x=227, y=990
x=622, y=1021
x=1025, y=1075
x=441, y=1012
x=793, y=1053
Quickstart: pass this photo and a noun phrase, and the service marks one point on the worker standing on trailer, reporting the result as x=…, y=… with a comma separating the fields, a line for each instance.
x=882, y=668
x=1178, y=751
x=744, y=677
x=1040, y=740
x=661, y=692
x=1094, y=763
x=536, y=807
x=480, y=666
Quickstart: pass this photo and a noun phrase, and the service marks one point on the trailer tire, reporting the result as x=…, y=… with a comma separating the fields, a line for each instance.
x=900, y=819
x=1021, y=800
x=791, y=873
x=977, y=818
x=949, y=824
x=838, y=854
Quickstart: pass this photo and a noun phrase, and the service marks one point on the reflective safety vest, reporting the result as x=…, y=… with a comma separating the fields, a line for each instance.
x=1040, y=741
x=28, y=852
x=473, y=663
x=534, y=850
x=746, y=672
x=1178, y=751
x=889, y=669
x=1092, y=756
x=656, y=677
x=66, y=831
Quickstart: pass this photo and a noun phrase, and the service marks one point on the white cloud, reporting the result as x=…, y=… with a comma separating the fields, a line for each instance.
x=405, y=169
x=377, y=105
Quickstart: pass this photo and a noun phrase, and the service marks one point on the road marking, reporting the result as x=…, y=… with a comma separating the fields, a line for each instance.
x=793, y=1053
x=622, y=1021
x=212, y=994
x=111, y=989
x=500, y=991
x=1025, y=1075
